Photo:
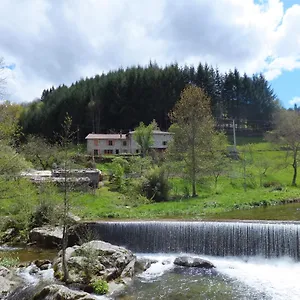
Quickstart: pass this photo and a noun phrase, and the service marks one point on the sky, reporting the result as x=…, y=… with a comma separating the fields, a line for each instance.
x=46, y=43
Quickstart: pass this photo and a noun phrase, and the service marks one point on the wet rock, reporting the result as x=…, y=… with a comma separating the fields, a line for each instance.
x=187, y=261
x=7, y=282
x=96, y=259
x=4, y=271
x=34, y=270
x=41, y=262
x=60, y=292
x=142, y=264
x=45, y=267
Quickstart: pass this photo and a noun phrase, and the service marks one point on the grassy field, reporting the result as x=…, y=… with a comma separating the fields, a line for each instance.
x=262, y=176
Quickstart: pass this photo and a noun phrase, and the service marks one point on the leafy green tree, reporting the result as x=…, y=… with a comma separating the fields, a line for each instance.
x=143, y=135
x=40, y=152
x=9, y=118
x=121, y=99
x=287, y=134
x=217, y=161
x=193, y=128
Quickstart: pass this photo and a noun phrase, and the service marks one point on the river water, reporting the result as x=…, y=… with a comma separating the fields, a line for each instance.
x=233, y=278
x=254, y=260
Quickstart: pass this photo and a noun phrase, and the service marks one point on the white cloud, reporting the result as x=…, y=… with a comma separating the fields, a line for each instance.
x=55, y=42
x=295, y=100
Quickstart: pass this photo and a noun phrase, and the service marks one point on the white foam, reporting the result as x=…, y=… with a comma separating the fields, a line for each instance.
x=164, y=263
x=34, y=278
x=277, y=278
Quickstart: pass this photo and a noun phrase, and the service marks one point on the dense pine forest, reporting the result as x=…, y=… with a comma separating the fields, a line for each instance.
x=119, y=100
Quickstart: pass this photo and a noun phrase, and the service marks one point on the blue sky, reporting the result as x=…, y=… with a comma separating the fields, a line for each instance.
x=287, y=85
x=64, y=41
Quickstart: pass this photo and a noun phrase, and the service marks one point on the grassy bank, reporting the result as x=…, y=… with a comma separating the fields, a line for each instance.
x=106, y=204
x=261, y=177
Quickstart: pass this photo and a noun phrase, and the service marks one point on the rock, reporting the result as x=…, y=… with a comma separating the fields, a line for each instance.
x=73, y=219
x=60, y=292
x=7, y=281
x=34, y=270
x=4, y=271
x=46, y=236
x=41, y=262
x=96, y=259
x=45, y=267
x=6, y=286
x=142, y=264
x=9, y=235
x=187, y=261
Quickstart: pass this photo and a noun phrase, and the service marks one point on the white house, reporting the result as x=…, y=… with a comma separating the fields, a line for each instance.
x=101, y=144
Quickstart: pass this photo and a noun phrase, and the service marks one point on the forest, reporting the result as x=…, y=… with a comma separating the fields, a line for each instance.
x=121, y=99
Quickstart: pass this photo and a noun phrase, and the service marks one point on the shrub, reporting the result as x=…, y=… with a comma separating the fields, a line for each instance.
x=156, y=186
x=99, y=286
x=271, y=184
x=43, y=214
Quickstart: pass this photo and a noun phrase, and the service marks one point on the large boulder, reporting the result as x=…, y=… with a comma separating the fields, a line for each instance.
x=96, y=259
x=7, y=282
x=51, y=236
x=60, y=292
x=187, y=261
x=46, y=236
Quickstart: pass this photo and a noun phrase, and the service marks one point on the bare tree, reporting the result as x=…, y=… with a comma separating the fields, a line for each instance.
x=287, y=135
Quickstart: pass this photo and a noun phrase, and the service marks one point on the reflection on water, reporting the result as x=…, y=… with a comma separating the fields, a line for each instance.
x=285, y=212
x=27, y=254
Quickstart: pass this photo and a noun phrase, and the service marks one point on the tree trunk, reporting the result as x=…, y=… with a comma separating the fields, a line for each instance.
x=65, y=229
x=295, y=169
x=194, y=194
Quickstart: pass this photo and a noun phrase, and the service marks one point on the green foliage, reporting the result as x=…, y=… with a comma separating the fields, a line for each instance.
x=9, y=118
x=41, y=153
x=9, y=262
x=144, y=137
x=194, y=132
x=11, y=162
x=122, y=98
x=155, y=186
x=99, y=286
x=48, y=208
x=286, y=134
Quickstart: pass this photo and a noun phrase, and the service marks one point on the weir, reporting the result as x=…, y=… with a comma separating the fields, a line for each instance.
x=267, y=239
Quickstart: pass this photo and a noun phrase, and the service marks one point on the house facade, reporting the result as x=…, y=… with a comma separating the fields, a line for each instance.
x=102, y=144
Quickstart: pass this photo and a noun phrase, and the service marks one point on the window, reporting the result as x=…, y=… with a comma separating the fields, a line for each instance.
x=124, y=143
x=96, y=142
x=108, y=151
x=137, y=151
x=96, y=153
x=117, y=151
x=164, y=143
x=110, y=143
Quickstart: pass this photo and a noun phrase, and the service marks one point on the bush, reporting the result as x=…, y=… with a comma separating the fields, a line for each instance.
x=271, y=184
x=99, y=286
x=156, y=186
x=42, y=215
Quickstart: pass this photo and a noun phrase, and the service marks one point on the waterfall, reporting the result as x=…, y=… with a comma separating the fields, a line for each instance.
x=268, y=239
